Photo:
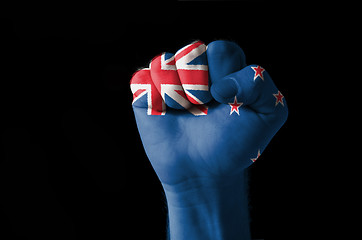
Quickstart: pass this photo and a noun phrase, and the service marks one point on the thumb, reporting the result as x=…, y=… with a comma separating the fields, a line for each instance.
x=223, y=58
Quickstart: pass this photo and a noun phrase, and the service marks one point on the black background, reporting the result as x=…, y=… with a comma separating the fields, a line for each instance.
x=72, y=164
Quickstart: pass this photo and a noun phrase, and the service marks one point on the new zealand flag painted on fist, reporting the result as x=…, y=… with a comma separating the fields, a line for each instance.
x=204, y=112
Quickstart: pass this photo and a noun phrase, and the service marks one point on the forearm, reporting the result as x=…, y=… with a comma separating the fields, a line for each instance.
x=208, y=209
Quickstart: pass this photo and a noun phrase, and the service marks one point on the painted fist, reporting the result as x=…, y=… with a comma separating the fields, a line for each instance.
x=203, y=112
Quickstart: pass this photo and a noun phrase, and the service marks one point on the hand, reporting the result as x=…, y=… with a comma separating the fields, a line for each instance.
x=202, y=142
x=229, y=138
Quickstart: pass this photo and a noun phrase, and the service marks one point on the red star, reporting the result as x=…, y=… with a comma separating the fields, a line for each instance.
x=258, y=72
x=254, y=159
x=235, y=106
x=279, y=98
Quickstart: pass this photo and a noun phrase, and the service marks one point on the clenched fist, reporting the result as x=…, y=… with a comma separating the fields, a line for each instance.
x=204, y=116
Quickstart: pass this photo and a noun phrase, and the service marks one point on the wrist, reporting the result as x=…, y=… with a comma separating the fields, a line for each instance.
x=208, y=208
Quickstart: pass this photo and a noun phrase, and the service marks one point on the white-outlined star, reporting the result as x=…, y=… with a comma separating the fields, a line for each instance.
x=258, y=72
x=235, y=106
x=279, y=98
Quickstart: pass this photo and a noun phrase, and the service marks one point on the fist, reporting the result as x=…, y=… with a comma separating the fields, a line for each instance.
x=202, y=112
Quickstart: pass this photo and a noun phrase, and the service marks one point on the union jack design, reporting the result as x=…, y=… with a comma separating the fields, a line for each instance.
x=179, y=81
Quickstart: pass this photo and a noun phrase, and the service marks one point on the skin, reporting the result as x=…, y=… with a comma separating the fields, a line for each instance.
x=201, y=160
